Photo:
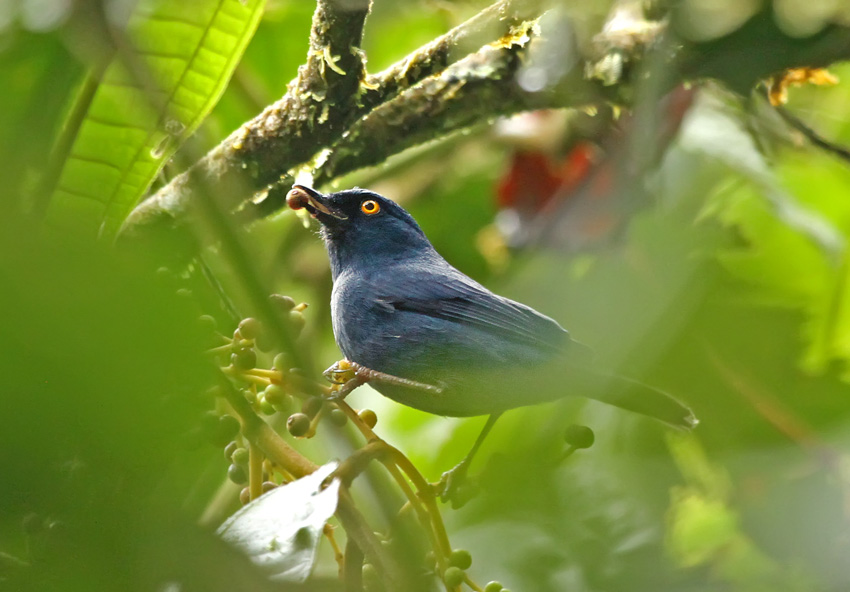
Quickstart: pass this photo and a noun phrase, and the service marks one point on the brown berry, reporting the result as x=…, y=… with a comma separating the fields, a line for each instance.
x=297, y=198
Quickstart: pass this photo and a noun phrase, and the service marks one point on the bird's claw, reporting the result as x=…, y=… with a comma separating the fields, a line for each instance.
x=340, y=372
x=351, y=375
x=455, y=487
x=345, y=376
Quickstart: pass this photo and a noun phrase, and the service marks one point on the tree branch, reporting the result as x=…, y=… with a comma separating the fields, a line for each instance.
x=314, y=110
x=330, y=93
x=260, y=434
x=438, y=89
x=492, y=23
x=480, y=87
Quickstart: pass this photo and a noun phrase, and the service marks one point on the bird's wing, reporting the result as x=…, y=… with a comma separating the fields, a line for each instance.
x=449, y=295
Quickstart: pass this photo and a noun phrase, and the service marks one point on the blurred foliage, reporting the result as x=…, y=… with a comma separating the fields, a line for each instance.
x=723, y=279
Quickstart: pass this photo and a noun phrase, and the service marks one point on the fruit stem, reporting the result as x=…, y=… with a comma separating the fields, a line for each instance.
x=255, y=471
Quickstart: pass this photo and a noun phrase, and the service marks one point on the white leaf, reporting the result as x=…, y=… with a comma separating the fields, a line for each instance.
x=280, y=530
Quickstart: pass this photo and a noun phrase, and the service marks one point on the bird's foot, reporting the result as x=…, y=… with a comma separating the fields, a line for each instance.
x=347, y=376
x=345, y=379
x=340, y=372
x=455, y=486
x=369, y=375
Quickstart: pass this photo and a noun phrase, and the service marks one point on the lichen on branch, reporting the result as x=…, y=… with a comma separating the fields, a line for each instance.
x=330, y=93
x=448, y=84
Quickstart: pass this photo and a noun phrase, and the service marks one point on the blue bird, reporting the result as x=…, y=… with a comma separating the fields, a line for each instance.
x=399, y=308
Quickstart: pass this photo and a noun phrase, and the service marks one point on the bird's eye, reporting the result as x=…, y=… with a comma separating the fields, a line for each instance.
x=370, y=207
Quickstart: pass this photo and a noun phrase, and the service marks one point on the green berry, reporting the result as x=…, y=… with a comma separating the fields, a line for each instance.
x=312, y=406
x=368, y=417
x=298, y=424
x=212, y=430
x=281, y=361
x=240, y=457
x=236, y=474
x=249, y=395
x=371, y=580
x=338, y=417
x=579, y=436
x=229, y=450
x=275, y=395
x=493, y=587
x=283, y=303
x=461, y=559
x=454, y=576
x=266, y=407
x=244, y=359
x=250, y=328
x=296, y=321
x=207, y=322
x=228, y=427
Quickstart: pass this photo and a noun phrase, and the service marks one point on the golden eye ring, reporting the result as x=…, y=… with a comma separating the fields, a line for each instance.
x=370, y=207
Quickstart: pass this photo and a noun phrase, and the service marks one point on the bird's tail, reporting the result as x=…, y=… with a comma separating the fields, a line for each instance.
x=635, y=396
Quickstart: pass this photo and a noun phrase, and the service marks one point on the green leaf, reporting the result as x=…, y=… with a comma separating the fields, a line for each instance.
x=151, y=97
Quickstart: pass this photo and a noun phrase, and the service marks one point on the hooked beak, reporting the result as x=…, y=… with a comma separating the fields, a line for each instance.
x=301, y=196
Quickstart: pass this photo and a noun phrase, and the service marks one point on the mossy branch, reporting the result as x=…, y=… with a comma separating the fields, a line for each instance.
x=315, y=110
x=441, y=88
x=330, y=93
x=495, y=22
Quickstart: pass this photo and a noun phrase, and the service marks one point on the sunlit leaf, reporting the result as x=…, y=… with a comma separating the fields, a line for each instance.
x=281, y=530
x=178, y=59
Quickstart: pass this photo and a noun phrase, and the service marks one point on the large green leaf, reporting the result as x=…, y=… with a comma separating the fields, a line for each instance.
x=151, y=98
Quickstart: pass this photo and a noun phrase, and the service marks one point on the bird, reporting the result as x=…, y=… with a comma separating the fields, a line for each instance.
x=400, y=309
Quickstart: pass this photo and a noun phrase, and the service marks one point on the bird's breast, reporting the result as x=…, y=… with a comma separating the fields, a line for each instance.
x=362, y=322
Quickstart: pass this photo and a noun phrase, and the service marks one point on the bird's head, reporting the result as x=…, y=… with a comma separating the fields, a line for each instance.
x=361, y=225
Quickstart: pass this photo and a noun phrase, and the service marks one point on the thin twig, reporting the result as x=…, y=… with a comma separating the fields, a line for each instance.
x=255, y=472
x=811, y=135
x=260, y=434
x=396, y=462
x=353, y=567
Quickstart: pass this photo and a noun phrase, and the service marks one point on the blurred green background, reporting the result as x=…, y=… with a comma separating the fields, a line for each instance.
x=717, y=270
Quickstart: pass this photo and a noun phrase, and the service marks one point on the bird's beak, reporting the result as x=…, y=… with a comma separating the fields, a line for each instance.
x=301, y=196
